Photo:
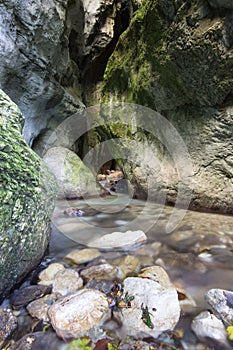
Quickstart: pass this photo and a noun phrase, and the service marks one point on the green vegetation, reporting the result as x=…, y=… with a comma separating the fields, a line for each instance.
x=79, y=344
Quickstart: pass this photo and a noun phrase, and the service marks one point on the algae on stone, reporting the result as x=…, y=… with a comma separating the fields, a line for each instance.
x=27, y=200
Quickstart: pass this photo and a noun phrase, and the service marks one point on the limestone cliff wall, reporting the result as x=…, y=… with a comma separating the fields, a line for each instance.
x=50, y=51
x=181, y=65
x=174, y=56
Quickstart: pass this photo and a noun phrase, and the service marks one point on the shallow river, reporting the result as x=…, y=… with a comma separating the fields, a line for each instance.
x=197, y=254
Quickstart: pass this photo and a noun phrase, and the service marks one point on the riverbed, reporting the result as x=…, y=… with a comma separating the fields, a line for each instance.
x=197, y=254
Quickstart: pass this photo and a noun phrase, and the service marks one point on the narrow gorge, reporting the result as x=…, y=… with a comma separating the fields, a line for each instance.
x=116, y=149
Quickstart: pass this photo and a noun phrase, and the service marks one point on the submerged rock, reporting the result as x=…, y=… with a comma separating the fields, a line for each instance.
x=77, y=313
x=82, y=256
x=100, y=272
x=27, y=200
x=153, y=310
x=67, y=281
x=46, y=277
x=128, y=265
x=74, y=178
x=119, y=240
x=39, y=308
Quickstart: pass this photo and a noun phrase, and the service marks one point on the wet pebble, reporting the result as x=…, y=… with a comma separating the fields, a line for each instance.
x=157, y=274
x=102, y=285
x=47, y=276
x=38, y=341
x=129, y=264
x=99, y=272
x=83, y=256
x=67, y=281
x=39, y=308
x=76, y=313
x=23, y=296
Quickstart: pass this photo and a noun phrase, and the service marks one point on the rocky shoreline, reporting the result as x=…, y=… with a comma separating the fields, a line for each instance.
x=92, y=299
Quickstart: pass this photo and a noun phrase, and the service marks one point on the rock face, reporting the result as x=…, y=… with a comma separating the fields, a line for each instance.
x=27, y=200
x=48, y=52
x=74, y=179
x=180, y=65
x=34, y=58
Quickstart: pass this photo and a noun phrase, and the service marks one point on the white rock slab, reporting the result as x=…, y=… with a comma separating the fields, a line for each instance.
x=162, y=303
x=67, y=281
x=83, y=255
x=221, y=302
x=77, y=313
x=119, y=240
x=208, y=325
x=47, y=276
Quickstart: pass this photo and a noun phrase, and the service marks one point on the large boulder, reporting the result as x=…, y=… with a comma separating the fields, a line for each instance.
x=180, y=65
x=27, y=200
x=74, y=178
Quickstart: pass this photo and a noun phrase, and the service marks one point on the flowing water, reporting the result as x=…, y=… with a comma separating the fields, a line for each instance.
x=198, y=254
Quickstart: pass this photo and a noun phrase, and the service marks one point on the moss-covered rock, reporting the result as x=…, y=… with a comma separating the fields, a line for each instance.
x=74, y=178
x=27, y=200
x=176, y=58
